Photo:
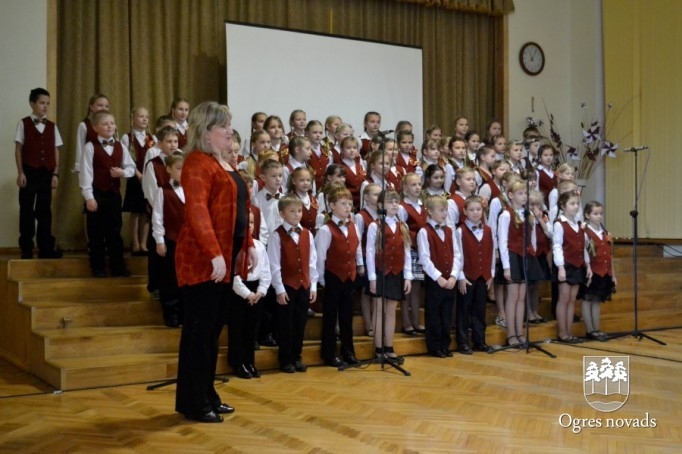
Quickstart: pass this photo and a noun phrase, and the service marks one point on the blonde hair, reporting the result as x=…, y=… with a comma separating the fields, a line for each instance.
x=436, y=201
x=202, y=119
x=563, y=168
x=288, y=200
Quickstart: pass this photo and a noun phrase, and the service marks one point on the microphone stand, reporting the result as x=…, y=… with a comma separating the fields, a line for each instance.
x=635, y=241
x=382, y=359
x=527, y=345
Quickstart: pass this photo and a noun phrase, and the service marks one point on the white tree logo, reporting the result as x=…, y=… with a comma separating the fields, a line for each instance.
x=606, y=383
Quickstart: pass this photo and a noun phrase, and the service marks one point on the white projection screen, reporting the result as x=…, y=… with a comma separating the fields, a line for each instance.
x=277, y=71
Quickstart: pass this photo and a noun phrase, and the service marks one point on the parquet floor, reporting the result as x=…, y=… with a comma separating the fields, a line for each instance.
x=507, y=402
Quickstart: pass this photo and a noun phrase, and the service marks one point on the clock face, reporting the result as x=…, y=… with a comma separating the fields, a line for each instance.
x=532, y=59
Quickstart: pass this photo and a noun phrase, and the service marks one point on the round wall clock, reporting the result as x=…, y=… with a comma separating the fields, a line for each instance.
x=532, y=58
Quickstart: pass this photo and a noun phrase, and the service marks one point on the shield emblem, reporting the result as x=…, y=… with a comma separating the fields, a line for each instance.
x=606, y=382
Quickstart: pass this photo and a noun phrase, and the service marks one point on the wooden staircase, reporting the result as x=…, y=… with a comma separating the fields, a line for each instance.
x=74, y=331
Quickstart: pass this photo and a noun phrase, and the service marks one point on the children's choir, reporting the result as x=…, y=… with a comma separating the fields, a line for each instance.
x=459, y=229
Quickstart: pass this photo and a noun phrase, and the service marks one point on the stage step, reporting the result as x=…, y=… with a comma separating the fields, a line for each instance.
x=67, y=267
x=643, y=250
x=131, y=288
x=647, y=265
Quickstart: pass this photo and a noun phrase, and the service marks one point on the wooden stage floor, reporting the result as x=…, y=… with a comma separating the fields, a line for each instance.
x=507, y=402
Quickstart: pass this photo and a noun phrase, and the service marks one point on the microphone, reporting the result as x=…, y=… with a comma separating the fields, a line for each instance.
x=633, y=149
x=383, y=133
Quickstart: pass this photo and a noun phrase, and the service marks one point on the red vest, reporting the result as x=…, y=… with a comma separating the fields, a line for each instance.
x=182, y=139
x=101, y=163
x=459, y=201
x=90, y=133
x=367, y=220
x=600, y=262
x=415, y=221
x=396, y=178
x=394, y=251
x=546, y=184
x=409, y=166
x=309, y=218
x=354, y=181
x=574, y=245
x=515, y=236
x=139, y=150
x=341, y=253
x=256, y=222
x=295, y=258
x=477, y=254
x=38, y=148
x=160, y=171
x=442, y=253
x=542, y=241
x=319, y=166
x=335, y=155
x=173, y=213
x=365, y=147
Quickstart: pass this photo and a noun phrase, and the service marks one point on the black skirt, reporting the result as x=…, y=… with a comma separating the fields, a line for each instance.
x=574, y=275
x=532, y=270
x=601, y=288
x=134, y=201
x=393, y=289
x=544, y=266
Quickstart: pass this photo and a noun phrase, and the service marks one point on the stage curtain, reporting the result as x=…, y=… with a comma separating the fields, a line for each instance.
x=642, y=80
x=495, y=7
x=141, y=52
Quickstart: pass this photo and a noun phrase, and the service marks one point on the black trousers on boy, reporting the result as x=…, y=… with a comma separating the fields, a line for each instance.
x=471, y=307
x=35, y=202
x=292, y=319
x=104, y=232
x=438, y=315
x=338, y=302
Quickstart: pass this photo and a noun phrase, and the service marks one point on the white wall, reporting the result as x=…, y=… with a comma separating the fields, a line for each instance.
x=570, y=34
x=23, y=32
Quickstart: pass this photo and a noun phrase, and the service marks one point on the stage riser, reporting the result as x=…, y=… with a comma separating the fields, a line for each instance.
x=114, y=331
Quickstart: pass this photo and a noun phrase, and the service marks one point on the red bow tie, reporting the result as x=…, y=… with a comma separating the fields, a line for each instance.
x=269, y=196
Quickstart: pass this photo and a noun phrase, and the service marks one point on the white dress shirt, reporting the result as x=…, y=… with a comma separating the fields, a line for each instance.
x=425, y=253
x=269, y=209
x=275, y=258
x=370, y=251
x=323, y=240
x=158, y=229
x=149, y=183
x=20, y=136
x=503, y=235
x=87, y=174
x=260, y=273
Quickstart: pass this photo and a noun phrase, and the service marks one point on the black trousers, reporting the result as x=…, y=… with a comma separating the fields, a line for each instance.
x=205, y=308
x=104, y=231
x=35, y=202
x=471, y=307
x=242, y=326
x=338, y=302
x=438, y=315
x=267, y=324
x=153, y=265
x=292, y=319
x=168, y=284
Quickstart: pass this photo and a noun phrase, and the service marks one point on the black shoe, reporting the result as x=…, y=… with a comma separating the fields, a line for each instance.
x=27, y=255
x=54, y=254
x=210, y=417
x=390, y=355
x=99, y=273
x=351, y=359
x=242, y=372
x=409, y=332
x=333, y=362
x=481, y=348
x=121, y=273
x=576, y=318
x=311, y=313
x=420, y=330
x=300, y=367
x=438, y=354
x=255, y=373
x=256, y=346
x=223, y=409
x=464, y=349
x=378, y=352
x=535, y=321
x=269, y=341
x=288, y=368
x=171, y=321
x=447, y=353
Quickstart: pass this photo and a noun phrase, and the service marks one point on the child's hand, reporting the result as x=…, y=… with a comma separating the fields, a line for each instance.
x=138, y=174
x=462, y=285
x=361, y=270
x=489, y=284
x=562, y=274
x=251, y=299
x=452, y=282
x=21, y=180
x=589, y=273
x=442, y=282
x=91, y=205
x=373, y=287
x=507, y=274
x=55, y=182
x=313, y=297
x=161, y=249
x=407, y=287
x=259, y=295
x=282, y=299
x=117, y=172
